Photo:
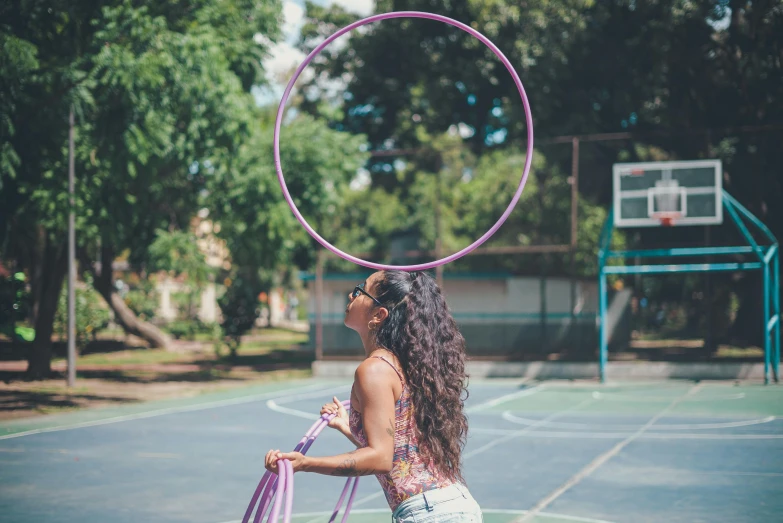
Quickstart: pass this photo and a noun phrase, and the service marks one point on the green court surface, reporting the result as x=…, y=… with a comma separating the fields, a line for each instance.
x=702, y=399
x=547, y=452
x=85, y=418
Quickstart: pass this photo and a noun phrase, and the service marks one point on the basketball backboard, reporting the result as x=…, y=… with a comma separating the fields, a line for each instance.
x=652, y=194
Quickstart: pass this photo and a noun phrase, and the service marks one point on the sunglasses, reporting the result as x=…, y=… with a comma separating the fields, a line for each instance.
x=359, y=289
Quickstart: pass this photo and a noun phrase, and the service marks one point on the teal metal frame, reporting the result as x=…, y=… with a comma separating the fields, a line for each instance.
x=768, y=257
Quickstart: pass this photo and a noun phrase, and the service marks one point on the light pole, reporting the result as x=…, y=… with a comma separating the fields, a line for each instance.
x=71, y=258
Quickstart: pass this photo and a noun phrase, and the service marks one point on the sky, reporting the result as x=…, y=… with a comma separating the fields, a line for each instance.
x=284, y=56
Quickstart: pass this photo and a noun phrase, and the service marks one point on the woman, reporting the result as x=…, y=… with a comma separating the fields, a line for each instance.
x=406, y=417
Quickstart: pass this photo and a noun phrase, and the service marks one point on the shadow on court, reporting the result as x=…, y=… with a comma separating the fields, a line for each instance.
x=537, y=452
x=23, y=400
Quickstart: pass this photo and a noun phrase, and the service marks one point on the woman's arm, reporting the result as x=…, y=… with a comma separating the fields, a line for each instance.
x=340, y=422
x=373, y=387
x=360, y=462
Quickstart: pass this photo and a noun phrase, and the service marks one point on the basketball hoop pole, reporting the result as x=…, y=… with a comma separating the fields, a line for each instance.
x=767, y=259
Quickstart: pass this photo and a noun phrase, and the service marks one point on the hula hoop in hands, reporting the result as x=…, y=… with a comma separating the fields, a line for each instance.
x=528, y=157
x=277, y=486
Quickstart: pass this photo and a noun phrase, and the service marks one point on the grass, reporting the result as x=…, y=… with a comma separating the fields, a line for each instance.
x=727, y=351
x=279, y=340
x=118, y=386
x=276, y=375
x=160, y=356
x=111, y=373
x=132, y=357
x=250, y=346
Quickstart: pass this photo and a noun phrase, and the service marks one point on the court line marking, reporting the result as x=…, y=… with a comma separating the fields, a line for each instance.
x=508, y=416
x=274, y=404
x=506, y=397
x=306, y=395
x=618, y=396
x=508, y=434
x=731, y=473
x=619, y=435
x=158, y=412
x=292, y=412
x=603, y=458
x=319, y=515
x=468, y=455
x=521, y=432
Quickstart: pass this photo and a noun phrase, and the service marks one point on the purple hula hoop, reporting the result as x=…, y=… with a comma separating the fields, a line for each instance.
x=284, y=483
x=528, y=157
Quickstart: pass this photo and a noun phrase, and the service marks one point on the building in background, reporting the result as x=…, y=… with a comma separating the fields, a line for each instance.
x=500, y=315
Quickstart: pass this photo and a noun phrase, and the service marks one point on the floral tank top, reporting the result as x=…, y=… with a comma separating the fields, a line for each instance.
x=409, y=474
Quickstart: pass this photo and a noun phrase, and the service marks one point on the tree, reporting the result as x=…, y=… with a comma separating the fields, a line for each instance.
x=178, y=254
x=264, y=238
x=684, y=77
x=92, y=314
x=402, y=91
x=161, y=93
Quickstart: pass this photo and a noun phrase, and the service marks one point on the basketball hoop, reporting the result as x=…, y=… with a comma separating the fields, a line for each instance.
x=666, y=194
x=667, y=219
x=666, y=202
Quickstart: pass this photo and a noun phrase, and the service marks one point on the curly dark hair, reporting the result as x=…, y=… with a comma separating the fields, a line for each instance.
x=423, y=335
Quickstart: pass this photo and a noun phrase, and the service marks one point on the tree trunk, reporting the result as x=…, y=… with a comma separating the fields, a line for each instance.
x=131, y=323
x=49, y=270
x=127, y=319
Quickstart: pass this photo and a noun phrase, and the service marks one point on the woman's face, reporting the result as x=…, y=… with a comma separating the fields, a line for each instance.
x=362, y=309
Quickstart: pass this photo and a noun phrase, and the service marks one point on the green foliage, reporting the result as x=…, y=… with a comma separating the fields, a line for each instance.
x=15, y=303
x=92, y=316
x=190, y=329
x=407, y=74
x=16, y=69
x=174, y=109
x=673, y=66
x=240, y=308
x=143, y=302
x=161, y=94
x=688, y=80
x=165, y=125
x=180, y=329
x=474, y=193
x=161, y=91
x=245, y=199
x=178, y=253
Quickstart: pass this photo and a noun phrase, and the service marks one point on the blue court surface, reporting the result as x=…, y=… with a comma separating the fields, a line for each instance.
x=537, y=452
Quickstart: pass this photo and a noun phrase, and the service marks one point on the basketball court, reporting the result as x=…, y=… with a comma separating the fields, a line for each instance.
x=539, y=452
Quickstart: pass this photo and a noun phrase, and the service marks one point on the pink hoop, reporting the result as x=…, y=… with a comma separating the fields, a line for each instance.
x=271, y=489
x=528, y=157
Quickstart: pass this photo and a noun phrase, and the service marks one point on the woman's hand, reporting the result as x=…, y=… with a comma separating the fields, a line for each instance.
x=340, y=421
x=297, y=460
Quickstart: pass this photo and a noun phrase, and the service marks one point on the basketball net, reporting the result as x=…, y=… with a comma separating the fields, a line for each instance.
x=667, y=202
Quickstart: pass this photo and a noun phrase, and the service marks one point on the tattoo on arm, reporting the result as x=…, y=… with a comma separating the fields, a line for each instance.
x=348, y=469
x=390, y=428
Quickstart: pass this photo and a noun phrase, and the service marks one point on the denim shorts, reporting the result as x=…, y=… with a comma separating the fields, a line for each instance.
x=452, y=504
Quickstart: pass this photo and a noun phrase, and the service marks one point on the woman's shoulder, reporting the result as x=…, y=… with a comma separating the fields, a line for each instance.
x=375, y=370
